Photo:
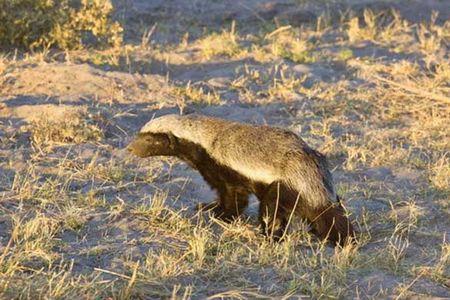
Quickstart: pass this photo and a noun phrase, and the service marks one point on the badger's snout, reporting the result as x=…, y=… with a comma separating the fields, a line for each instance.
x=138, y=146
x=149, y=144
x=130, y=147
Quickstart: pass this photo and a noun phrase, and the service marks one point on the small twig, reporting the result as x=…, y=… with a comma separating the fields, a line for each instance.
x=414, y=90
x=8, y=246
x=276, y=31
x=291, y=215
x=113, y=273
x=132, y=281
x=324, y=211
x=253, y=12
x=276, y=211
x=5, y=251
x=410, y=285
x=147, y=36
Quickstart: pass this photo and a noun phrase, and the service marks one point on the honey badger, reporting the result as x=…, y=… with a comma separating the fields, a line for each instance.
x=237, y=160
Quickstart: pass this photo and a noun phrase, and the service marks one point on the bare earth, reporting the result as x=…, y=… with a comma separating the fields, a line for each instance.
x=365, y=82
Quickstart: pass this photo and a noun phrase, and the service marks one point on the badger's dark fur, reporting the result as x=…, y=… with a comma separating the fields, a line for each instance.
x=239, y=159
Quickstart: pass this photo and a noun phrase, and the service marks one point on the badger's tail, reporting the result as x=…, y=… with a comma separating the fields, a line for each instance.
x=331, y=223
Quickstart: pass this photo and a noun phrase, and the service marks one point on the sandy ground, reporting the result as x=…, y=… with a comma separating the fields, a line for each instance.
x=95, y=189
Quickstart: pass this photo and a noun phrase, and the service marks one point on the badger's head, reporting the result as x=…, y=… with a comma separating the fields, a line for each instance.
x=156, y=138
x=152, y=144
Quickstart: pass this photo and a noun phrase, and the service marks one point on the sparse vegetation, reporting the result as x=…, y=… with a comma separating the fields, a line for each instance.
x=79, y=218
x=292, y=47
x=73, y=129
x=220, y=44
x=64, y=24
x=195, y=95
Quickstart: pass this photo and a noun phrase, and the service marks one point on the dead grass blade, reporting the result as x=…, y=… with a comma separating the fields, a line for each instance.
x=412, y=90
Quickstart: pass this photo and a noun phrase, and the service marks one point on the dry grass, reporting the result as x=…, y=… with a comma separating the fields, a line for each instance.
x=73, y=129
x=220, y=44
x=190, y=94
x=43, y=24
x=81, y=219
x=291, y=46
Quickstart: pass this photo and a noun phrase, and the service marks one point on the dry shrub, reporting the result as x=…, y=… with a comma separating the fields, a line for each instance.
x=38, y=228
x=440, y=173
x=290, y=46
x=193, y=94
x=432, y=37
x=219, y=44
x=356, y=32
x=74, y=129
x=3, y=65
x=65, y=24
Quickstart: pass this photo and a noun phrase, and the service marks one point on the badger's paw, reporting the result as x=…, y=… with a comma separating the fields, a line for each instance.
x=217, y=211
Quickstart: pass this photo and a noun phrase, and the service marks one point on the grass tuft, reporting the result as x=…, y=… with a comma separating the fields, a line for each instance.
x=73, y=129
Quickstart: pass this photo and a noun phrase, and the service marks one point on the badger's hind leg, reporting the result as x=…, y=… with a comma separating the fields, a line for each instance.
x=328, y=222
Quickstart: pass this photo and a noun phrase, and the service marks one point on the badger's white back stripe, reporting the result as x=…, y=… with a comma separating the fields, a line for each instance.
x=187, y=128
x=253, y=172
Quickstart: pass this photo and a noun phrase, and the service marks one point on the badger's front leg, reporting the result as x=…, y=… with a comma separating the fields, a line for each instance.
x=229, y=205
